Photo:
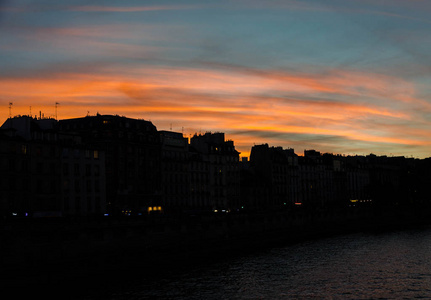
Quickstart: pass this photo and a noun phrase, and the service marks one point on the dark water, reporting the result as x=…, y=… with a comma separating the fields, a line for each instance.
x=395, y=265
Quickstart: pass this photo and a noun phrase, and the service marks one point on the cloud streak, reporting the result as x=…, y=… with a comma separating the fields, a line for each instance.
x=242, y=101
x=377, y=8
x=47, y=7
x=128, y=9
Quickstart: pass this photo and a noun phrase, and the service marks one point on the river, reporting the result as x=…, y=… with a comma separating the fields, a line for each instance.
x=390, y=265
x=368, y=265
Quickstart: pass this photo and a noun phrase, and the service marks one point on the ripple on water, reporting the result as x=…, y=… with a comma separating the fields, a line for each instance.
x=394, y=265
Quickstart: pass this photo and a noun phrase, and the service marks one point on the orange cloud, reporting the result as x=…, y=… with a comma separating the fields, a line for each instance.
x=223, y=100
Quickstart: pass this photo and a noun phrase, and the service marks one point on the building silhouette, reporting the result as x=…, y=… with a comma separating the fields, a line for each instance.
x=118, y=166
x=175, y=173
x=133, y=159
x=45, y=173
x=221, y=160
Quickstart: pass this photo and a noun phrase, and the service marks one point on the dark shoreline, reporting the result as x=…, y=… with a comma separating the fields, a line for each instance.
x=59, y=254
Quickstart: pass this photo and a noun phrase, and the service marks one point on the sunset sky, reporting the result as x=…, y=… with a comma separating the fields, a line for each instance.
x=338, y=76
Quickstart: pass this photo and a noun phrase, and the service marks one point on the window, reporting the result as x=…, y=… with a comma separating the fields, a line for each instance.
x=78, y=204
x=77, y=186
x=87, y=170
x=89, y=204
x=66, y=203
x=88, y=186
x=39, y=167
x=98, y=203
x=97, y=186
x=66, y=185
x=65, y=169
x=97, y=170
x=76, y=170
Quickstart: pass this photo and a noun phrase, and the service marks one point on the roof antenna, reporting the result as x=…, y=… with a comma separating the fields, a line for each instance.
x=10, y=110
x=56, y=103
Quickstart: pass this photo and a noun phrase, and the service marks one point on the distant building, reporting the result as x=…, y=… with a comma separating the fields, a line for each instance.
x=391, y=179
x=358, y=178
x=276, y=171
x=175, y=173
x=36, y=169
x=102, y=164
x=211, y=152
x=133, y=152
x=83, y=181
x=200, y=187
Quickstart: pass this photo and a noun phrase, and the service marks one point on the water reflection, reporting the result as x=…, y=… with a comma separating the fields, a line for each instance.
x=359, y=266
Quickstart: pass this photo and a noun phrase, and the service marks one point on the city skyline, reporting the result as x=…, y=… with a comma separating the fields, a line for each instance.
x=337, y=76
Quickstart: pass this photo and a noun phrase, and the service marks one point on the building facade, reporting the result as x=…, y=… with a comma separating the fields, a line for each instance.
x=132, y=159
x=216, y=165
x=42, y=171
